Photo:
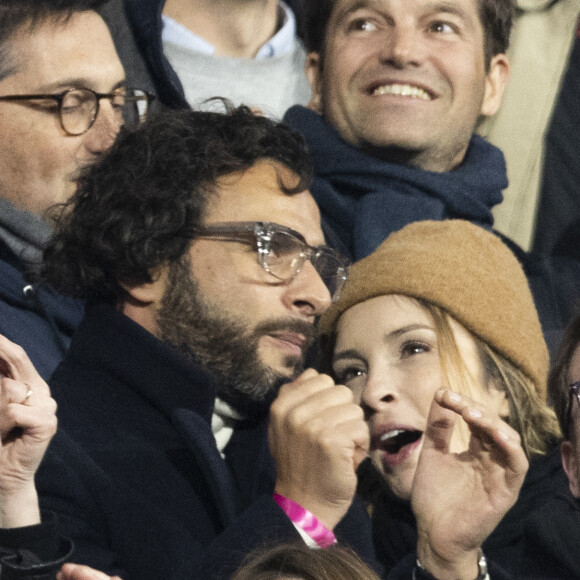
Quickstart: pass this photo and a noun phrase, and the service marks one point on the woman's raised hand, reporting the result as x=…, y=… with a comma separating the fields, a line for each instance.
x=27, y=424
x=459, y=498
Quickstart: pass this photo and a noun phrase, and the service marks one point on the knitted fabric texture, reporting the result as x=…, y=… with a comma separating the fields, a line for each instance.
x=463, y=269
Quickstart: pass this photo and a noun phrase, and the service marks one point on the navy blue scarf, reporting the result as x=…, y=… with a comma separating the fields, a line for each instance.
x=363, y=199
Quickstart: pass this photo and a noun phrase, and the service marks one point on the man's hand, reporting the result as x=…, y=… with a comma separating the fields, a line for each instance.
x=27, y=424
x=78, y=572
x=317, y=437
x=458, y=499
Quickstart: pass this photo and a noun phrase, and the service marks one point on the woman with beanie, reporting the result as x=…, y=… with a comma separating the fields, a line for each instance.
x=442, y=305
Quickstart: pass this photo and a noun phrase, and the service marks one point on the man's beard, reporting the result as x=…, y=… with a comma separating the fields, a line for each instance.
x=226, y=348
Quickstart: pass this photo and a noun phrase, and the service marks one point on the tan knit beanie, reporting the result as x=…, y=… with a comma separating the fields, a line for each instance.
x=467, y=271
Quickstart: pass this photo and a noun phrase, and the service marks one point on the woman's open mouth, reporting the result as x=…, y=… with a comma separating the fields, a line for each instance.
x=396, y=444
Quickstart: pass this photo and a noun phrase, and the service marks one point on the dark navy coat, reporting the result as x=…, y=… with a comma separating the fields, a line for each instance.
x=34, y=316
x=134, y=474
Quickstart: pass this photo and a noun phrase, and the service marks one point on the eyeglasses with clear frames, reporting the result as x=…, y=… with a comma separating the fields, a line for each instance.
x=79, y=108
x=282, y=251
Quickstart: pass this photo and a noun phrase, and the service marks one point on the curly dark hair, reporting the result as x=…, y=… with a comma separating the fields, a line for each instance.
x=139, y=207
x=496, y=17
x=15, y=14
x=558, y=380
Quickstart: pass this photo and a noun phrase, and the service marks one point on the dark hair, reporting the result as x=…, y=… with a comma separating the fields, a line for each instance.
x=558, y=380
x=496, y=17
x=297, y=560
x=139, y=207
x=16, y=14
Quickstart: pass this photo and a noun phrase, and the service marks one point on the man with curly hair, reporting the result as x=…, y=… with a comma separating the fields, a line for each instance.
x=198, y=251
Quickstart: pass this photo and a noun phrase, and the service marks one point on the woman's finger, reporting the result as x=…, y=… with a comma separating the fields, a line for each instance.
x=491, y=433
x=440, y=425
x=16, y=365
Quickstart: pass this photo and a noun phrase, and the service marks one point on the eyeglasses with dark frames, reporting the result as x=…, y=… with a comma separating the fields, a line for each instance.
x=282, y=251
x=574, y=392
x=79, y=108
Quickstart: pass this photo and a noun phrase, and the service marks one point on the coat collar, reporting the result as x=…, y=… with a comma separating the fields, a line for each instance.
x=148, y=366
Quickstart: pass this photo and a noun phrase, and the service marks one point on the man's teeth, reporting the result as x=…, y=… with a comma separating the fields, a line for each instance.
x=390, y=434
x=403, y=91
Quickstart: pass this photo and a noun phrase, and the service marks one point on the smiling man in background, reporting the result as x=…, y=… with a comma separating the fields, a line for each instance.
x=398, y=87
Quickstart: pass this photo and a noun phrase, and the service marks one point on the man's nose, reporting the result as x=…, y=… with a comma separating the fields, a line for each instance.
x=104, y=130
x=307, y=293
x=402, y=45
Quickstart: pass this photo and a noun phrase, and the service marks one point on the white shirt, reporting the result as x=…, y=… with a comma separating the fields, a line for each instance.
x=280, y=44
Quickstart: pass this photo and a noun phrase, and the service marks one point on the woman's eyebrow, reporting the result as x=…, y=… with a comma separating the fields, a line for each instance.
x=353, y=353
x=349, y=353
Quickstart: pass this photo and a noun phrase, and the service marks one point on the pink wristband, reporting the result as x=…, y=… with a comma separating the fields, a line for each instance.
x=306, y=521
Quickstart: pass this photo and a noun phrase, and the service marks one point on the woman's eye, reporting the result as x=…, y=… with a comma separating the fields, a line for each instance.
x=344, y=376
x=412, y=348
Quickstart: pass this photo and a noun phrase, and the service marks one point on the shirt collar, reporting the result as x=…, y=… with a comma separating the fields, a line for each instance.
x=280, y=44
x=223, y=422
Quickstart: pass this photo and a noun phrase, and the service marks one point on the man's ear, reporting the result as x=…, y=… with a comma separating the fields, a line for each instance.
x=143, y=300
x=313, y=72
x=148, y=292
x=570, y=463
x=495, y=83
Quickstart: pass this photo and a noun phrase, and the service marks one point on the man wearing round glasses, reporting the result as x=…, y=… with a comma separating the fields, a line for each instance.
x=62, y=100
x=552, y=531
x=78, y=108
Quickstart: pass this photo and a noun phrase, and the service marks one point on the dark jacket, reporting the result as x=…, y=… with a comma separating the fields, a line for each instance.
x=559, y=203
x=34, y=316
x=552, y=540
x=136, y=68
x=394, y=528
x=33, y=552
x=144, y=23
x=134, y=473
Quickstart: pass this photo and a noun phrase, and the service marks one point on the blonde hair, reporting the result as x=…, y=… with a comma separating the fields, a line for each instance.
x=529, y=413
